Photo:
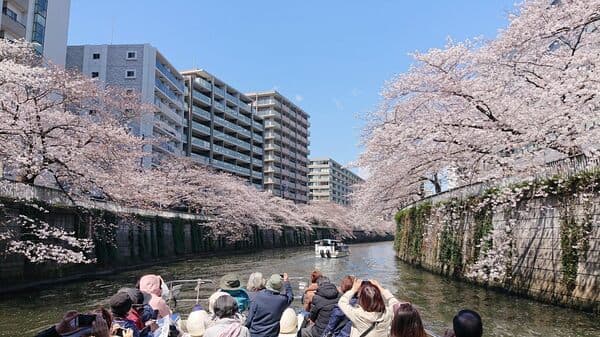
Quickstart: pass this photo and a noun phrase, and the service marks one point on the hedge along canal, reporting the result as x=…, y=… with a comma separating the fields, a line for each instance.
x=437, y=298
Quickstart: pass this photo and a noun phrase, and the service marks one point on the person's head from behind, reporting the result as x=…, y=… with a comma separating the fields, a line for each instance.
x=256, y=282
x=407, y=322
x=315, y=275
x=467, y=323
x=225, y=306
x=369, y=298
x=346, y=283
x=120, y=304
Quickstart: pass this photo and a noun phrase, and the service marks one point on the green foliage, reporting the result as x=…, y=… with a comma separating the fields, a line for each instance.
x=411, y=224
x=482, y=227
x=574, y=243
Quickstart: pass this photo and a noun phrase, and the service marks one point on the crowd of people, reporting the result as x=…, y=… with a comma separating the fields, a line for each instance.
x=354, y=308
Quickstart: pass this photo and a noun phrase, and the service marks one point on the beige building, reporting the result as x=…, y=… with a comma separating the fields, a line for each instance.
x=330, y=181
x=285, y=145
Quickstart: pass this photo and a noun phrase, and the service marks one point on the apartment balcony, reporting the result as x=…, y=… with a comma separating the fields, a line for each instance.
x=203, y=83
x=257, y=149
x=272, y=124
x=269, y=113
x=201, y=128
x=257, y=163
x=166, y=147
x=257, y=175
x=220, y=106
x=11, y=24
x=271, y=169
x=169, y=112
x=230, y=167
x=270, y=135
x=231, y=112
x=231, y=98
x=245, y=106
x=201, y=97
x=232, y=140
x=231, y=126
x=272, y=147
x=269, y=101
x=176, y=82
x=219, y=91
x=269, y=158
x=201, y=113
x=168, y=93
x=271, y=180
x=258, y=138
x=200, y=143
x=258, y=126
x=167, y=129
x=288, y=173
x=231, y=153
x=200, y=159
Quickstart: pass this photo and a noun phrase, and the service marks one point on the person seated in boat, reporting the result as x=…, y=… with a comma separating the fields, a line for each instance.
x=156, y=287
x=230, y=283
x=325, y=299
x=374, y=313
x=256, y=283
x=339, y=325
x=66, y=327
x=290, y=323
x=407, y=321
x=196, y=323
x=228, y=323
x=309, y=292
x=268, y=306
x=466, y=323
x=120, y=305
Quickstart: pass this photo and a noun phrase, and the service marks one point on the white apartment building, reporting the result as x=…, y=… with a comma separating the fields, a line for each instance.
x=286, y=145
x=221, y=129
x=140, y=67
x=330, y=181
x=45, y=23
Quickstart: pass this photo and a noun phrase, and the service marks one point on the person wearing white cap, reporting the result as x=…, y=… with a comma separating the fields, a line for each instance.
x=289, y=323
x=196, y=323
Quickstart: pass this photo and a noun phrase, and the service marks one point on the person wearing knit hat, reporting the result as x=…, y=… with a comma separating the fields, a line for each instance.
x=268, y=306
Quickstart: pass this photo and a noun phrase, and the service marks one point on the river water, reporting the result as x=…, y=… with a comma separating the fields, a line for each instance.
x=437, y=298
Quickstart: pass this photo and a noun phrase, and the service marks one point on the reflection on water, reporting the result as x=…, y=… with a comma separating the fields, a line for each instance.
x=437, y=298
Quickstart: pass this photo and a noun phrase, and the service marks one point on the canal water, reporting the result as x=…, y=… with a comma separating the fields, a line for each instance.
x=437, y=298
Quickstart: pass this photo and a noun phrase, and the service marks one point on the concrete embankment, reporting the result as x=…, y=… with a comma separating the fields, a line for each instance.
x=127, y=238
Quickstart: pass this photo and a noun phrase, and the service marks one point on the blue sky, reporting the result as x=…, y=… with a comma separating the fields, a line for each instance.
x=330, y=57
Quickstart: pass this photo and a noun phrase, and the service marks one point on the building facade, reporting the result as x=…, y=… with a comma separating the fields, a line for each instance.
x=142, y=68
x=45, y=23
x=286, y=145
x=330, y=181
x=221, y=129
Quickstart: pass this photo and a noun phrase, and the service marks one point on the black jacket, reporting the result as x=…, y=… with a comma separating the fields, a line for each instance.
x=326, y=298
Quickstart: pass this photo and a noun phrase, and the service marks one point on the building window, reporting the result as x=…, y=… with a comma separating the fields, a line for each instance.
x=96, y=56
x=131, y=55
x=130, y=74
x=38, y=31
x=94, y=74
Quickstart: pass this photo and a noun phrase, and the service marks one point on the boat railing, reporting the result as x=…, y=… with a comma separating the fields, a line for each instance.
x=175, y=289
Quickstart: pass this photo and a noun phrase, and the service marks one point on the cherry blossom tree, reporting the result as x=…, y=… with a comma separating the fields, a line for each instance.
x=489, y=109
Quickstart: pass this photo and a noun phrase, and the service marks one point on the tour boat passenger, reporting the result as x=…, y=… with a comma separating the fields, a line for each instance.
x=195, y=325
x=289, y=323
x=268, y=306
x=466, y=323
x=139, y=299
x=339, y=325
x=228, y=323
x=325, y=299
x=120, y=305
x=154, y=285
x=374, y=313
x=256, y=283
x=407, y=321
x=230, y=283
x=310, y=290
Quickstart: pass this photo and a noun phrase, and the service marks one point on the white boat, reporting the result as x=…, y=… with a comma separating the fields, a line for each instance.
x=329, y=248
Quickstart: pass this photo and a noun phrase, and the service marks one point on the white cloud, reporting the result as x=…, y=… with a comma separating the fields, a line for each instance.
x=299, y=98
x=338, y=104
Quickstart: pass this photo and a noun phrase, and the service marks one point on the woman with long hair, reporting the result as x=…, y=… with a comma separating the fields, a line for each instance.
x=407, y=322
x=373, y=315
